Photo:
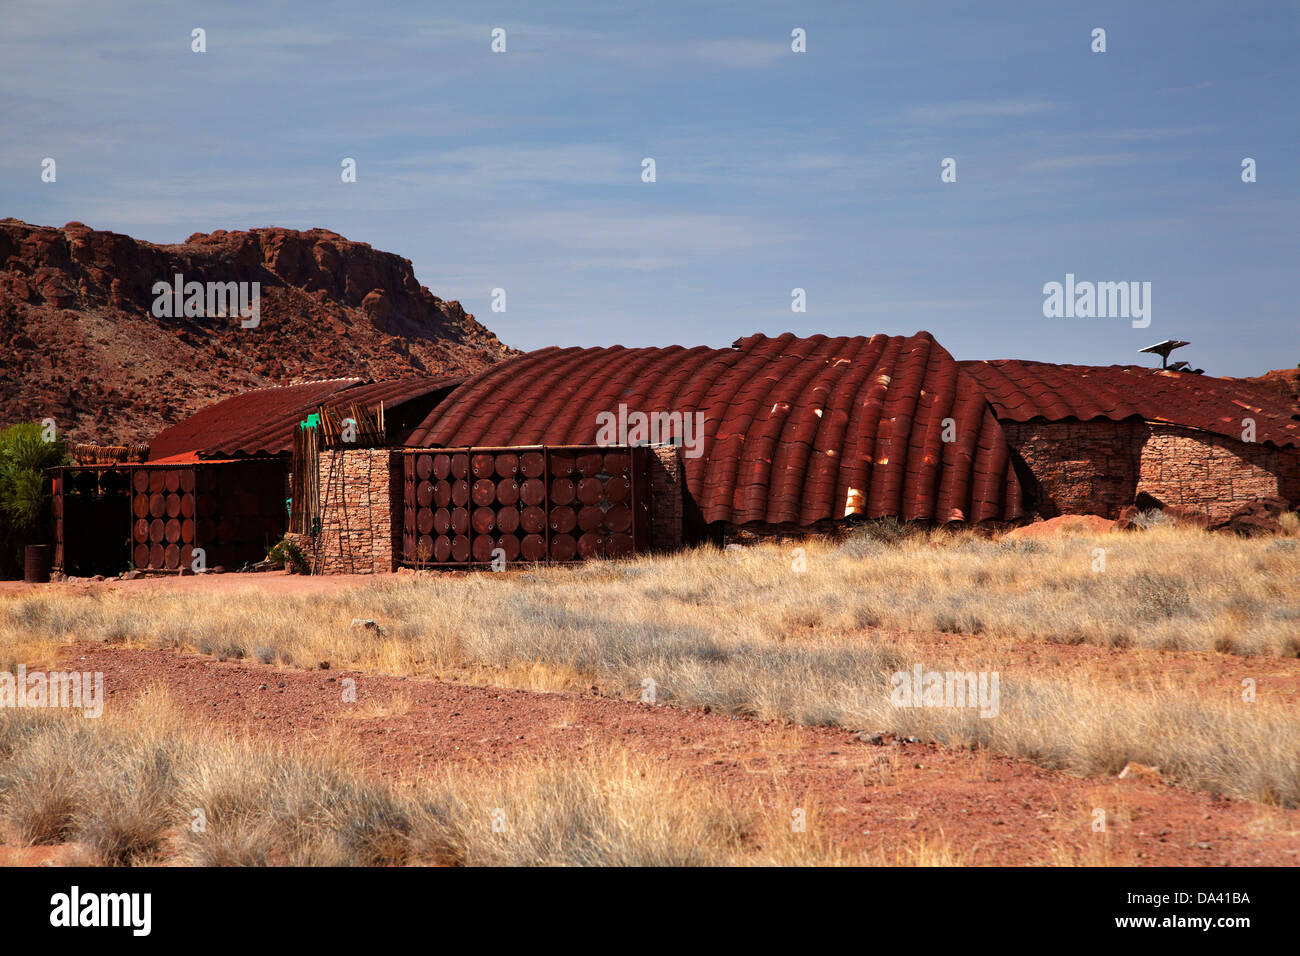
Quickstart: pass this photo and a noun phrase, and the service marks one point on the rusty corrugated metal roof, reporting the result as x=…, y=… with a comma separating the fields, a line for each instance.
x=261, y=422
x=795, y=429
x=1021, y=391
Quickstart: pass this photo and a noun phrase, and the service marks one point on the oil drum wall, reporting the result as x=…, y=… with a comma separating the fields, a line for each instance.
x=163, y=511
x=90, y=530
x=240, y=511
x=233, y=510
x=532, y=503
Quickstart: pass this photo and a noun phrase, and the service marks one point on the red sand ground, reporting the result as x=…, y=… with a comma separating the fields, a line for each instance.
x=991, y=810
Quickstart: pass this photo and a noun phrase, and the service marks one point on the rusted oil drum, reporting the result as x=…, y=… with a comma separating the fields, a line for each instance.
x=532, y=491
x=563, y=547
x=140, y=506
x=590, y=464
x=533, y=547
x=590, y=490
x=532, y=464
x=37, y=561
x=460, y=522
x=141, y=556
x=618, y=518
x=483, y=492
x=618, y=545
x=460, y=467
x=460, y=493
x=532, y=519
x=442, y=494
x=424, y=521
x=187, y=531
x=483, y=520
x=562, y=491
x=563, y=519
x=140, y=480
x=616, y=489
x=591, y=545
x=441, y=521
x=507, y=491
x=172, y=481
x=483, y=547
x=562, y=464
x=507, y=464
x=172, y=532
x=187, y=556
x=157, y=530
x=618, y=463
x=442, y=548
x=424, y=467
x=157, y=556
x=157, y=482
x=187, y=481
x=157, y=505
x=508, y=520
x=590, y=518
x=187, y=505
x=424, y=494
x=140, y=530
x=173, y=506
x=172, y=557
x=510, y=545
x=460, y=549
x=483, y=464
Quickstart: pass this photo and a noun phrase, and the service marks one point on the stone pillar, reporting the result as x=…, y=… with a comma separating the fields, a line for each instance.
x=356, y=511
x=666, y=498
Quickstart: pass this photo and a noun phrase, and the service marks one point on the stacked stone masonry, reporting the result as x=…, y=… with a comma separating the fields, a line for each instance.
x=356, y=511
x=666, y=502
x=1099, y=467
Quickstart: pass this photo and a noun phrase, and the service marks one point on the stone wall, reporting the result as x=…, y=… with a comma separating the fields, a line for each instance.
x=356, y=511
x=1214, y=474
x=1099, y=467
x=666, y=498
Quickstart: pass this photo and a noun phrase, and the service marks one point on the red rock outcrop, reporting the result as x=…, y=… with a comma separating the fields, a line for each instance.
x=80, y=344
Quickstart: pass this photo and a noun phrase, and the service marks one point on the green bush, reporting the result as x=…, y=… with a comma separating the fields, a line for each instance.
x=25, y=491
x=288, y=554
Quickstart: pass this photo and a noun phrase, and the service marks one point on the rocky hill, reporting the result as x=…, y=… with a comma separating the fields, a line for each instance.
x=79, y=342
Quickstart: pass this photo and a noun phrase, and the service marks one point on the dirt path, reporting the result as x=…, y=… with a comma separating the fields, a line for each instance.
x=990, y=810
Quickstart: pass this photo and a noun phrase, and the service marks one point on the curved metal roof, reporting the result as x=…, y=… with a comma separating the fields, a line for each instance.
x=1021, y=391
x=261, y=422
x=795, y=429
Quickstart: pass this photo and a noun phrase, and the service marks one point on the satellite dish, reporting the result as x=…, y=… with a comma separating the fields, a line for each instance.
x=1163, y=349
x=1178, y=366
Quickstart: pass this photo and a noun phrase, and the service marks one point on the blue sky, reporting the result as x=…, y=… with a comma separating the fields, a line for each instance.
x=775, y=170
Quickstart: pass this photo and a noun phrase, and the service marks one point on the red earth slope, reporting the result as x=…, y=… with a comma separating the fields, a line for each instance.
x=79, y=343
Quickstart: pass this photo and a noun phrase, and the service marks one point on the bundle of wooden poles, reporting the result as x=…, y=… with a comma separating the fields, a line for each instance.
x=89, y=453
x=367, y=430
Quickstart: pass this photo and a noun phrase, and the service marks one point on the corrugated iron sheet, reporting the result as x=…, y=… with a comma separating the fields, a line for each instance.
x=1021, y=391
x=261, y=422
x=796, y=430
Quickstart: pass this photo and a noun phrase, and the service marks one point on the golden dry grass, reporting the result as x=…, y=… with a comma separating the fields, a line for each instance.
x=744, y=632
x=145, y=787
